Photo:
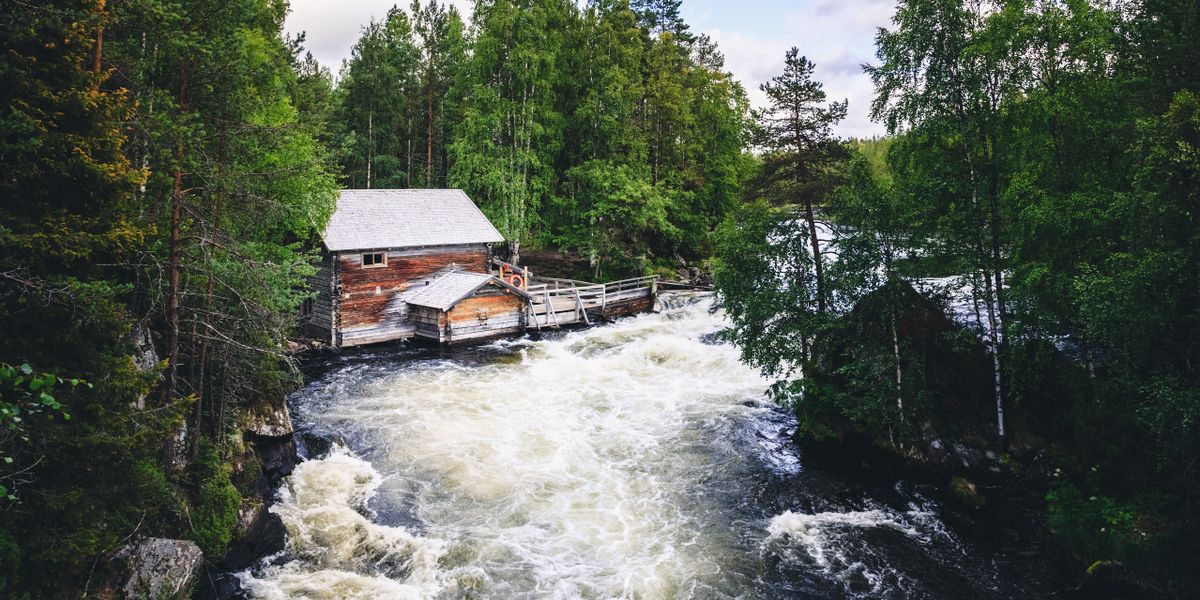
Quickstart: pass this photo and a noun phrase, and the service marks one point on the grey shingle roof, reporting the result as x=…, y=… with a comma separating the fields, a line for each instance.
x=366, y=219
x=446, y=291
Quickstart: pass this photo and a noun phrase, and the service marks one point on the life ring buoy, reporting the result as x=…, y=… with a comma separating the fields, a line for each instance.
x=516, y=281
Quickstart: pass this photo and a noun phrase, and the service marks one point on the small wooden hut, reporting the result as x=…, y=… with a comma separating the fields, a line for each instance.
x=460, y=306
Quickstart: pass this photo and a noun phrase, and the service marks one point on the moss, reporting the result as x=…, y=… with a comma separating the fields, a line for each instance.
x=1098, y=566
x=665, y=272
x=248, y=472
x=1105, y=528
x=215, y=508
x=965, y=491
x=1013, y=465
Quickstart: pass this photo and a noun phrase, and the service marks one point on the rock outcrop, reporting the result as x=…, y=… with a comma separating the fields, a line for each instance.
x=269, y=455
x=161, y=568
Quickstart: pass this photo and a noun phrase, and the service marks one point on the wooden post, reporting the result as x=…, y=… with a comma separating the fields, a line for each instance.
x=553, y=311
x=579, y=307
x=531, y=313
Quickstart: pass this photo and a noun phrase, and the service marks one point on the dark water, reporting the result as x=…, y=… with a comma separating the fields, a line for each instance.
x=634, y=460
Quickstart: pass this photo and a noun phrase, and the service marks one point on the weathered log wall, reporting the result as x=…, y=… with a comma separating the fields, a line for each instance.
x=319, y=322
x=371, y=300
x=360, y=305
x=490, y=312
x=429, y=323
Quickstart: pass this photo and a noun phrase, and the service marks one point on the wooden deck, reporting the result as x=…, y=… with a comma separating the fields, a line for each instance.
x=557, y=302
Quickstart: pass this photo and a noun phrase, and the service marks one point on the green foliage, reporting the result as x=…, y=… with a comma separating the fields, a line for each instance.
x=503, y=151
x=1045, y=156
x=763, y=270
x=625, y=214
x=966, y=493
x=378, y=96
x=25, y=394
x=10, y=562
x=1101, y=527
x=215, y=509
x=208, y=91
x=795, y=132
x=875, y=152
x=770, y=262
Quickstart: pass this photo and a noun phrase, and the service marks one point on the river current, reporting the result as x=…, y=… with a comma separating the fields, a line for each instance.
x=638, y=459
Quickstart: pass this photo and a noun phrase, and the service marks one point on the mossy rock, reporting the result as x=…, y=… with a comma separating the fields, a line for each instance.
x=966, y=493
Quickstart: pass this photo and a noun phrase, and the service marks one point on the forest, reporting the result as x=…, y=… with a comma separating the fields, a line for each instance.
x=1015, y=266
x=1040, y=185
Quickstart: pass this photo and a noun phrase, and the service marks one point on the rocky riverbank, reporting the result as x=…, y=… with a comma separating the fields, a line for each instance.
x=269, y=455
x=999, y=496
x=261, y=452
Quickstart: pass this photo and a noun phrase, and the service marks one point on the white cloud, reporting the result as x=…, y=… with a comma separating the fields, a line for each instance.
x=836, y=35
x=332, y=28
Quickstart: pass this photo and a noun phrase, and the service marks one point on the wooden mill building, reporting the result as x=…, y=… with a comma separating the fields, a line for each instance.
x=398, y=264
x=385, y=248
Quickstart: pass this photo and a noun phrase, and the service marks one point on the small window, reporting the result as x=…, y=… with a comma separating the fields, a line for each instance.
x=306, y=307
x=374, y=259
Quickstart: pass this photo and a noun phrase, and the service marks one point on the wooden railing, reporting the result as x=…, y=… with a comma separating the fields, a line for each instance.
x=560, y=283
x=557, y=306
x=632, y=283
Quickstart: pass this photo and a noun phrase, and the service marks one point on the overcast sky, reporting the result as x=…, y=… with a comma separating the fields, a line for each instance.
x=838, y=35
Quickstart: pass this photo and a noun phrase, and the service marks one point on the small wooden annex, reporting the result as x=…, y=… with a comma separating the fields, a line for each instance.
x=461, y=306
x=384, y=247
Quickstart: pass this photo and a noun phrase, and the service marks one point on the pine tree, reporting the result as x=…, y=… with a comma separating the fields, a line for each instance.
x=795, y=132
x=663, y=16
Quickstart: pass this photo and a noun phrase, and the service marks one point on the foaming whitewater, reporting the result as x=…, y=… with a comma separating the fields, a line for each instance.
x=339, y=552
x=632, y=460
x=813, y=531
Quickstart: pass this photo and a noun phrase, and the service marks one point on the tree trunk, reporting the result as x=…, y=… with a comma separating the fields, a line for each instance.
x=429, y=127
x=990, y=295
x=810, y=216
x=370, y=142
x=99, y=46
x=816, y=251
x=201, y=379
x=173, y=274
x=815, y=243
x=899, y=371
x=994, y=346
x=173, y=249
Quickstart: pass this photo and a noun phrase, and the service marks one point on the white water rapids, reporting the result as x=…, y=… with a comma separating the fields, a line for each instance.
x=633, y=460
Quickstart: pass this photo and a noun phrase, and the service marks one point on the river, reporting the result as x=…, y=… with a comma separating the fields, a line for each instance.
x=632, y=460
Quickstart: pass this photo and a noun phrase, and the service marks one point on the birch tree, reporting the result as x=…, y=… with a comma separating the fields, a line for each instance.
x=944, y=72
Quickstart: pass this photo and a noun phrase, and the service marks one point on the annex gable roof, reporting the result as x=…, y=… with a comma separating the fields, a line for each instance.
x=370, y=219
x=449, y=289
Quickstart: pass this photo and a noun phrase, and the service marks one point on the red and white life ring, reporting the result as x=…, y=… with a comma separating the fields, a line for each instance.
x=516, y=281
